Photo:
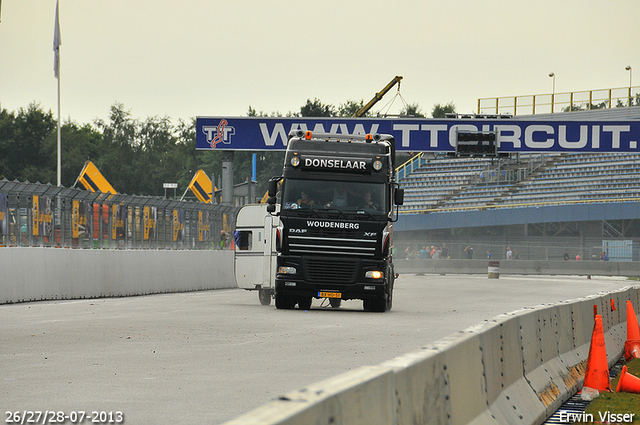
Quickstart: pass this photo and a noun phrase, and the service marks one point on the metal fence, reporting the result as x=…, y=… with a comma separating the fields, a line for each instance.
x=34, y=214
x=559, y=102
x=532, y=248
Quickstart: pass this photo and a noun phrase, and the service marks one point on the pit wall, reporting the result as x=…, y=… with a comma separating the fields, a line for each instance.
x=517, y=368
x=32, y=274
x=527, y=267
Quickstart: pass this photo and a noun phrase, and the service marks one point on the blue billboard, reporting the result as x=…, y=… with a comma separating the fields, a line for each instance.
x=422, y=135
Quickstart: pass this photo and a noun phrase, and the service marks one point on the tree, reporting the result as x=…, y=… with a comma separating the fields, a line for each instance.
x=350, y=107
x=317, y=109
x=79, y=144
x=117, y=159
x=440, y=111
x=412, y=111
x=24, y=136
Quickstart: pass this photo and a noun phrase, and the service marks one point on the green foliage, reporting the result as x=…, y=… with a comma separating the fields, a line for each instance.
x=135, y=156
x=412, y=111
x=350, y=107
x=618, y=403
x=315, y=108
x=439, y=111
x=25, y=139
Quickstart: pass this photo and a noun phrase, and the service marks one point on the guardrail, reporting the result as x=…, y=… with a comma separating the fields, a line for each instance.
x=517, y=368
x=557, y=102
x=410, y=166
x=518, y=205
x=521, y=267
x=34, y=214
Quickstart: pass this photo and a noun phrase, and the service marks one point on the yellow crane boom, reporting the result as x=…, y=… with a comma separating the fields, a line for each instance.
x=360, y=112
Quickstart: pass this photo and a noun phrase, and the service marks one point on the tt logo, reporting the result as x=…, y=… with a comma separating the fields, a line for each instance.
x=219, y=134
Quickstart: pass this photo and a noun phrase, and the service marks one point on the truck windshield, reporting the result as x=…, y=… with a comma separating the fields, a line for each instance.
x=341, y=195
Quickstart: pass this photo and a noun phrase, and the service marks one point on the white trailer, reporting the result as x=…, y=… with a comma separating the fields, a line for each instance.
x=255, y=250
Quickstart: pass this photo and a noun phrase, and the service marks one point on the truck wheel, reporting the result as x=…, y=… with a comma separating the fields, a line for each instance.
x=378, y=305
x=390, y=281
x=305, y=303
x=264, y=295
x=335, y=302
x=284, y=302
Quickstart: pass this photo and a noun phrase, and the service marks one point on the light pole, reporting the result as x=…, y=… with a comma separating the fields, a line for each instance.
x=628, y=68
x=553, y=93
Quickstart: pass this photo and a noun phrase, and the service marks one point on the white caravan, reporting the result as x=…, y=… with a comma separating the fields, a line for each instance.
x=255, y=250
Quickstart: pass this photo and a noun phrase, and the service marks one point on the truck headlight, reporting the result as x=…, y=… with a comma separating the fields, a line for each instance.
x=377, y=165
x=373, y=274
x=287, y=270
x=295, y=161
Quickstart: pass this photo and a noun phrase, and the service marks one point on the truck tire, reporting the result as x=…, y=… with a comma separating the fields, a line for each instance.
x=382, y=304
x=264, y=295
x=304, y=303
x=376, y=305
x=284, y=302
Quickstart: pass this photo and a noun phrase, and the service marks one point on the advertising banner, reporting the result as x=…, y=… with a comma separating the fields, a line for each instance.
x=80, y=219
x=178, y=225
x=149, y=222
x=41, y=212
x=422, y=135
x=4, y=227
x=203, y=226
x=118, y=222
x=202, y=187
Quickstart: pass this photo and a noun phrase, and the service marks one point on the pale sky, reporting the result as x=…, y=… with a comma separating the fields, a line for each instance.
x=191, y=58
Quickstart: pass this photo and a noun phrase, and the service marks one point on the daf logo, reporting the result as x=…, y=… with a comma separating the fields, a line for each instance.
x=297, y=230
x=369, y=234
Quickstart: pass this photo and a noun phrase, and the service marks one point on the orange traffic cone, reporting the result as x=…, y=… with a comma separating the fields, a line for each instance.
x=597, y=375
x=632, y=345
x=628, y=383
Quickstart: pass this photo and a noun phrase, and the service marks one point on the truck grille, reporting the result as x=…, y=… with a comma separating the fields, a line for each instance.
x=326, y=270
x=332, y=245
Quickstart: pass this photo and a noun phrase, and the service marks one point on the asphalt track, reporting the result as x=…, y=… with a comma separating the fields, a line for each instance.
x=206, y=357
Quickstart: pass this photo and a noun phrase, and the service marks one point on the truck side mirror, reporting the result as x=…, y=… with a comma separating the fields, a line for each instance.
x=273, y=188
x=399, y=196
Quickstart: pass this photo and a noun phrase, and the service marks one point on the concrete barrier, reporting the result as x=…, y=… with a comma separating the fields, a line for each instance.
x=517, y=368
x=524, y=267
x=31, y=274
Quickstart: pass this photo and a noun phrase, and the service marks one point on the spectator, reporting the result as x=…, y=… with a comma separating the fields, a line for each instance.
x=445, y=252
x=223, y=239
x=509, y=254
x=566, y=255
x=604, y=256
x=516, y=256
x=469, y=251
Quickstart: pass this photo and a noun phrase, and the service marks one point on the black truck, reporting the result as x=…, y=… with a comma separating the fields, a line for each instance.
x=335, y=238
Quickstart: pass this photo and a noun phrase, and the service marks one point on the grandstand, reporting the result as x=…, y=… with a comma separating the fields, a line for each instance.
x=449, y=184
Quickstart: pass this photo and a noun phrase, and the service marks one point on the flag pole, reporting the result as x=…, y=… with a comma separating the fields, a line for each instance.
x=59, y=137
x=57, y=41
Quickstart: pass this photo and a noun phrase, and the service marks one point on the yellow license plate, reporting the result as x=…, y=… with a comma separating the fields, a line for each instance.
x=329, y=295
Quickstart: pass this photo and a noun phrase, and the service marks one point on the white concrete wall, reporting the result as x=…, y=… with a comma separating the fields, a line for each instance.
x=524, y=267
x=515, y=369
x=30, y=274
